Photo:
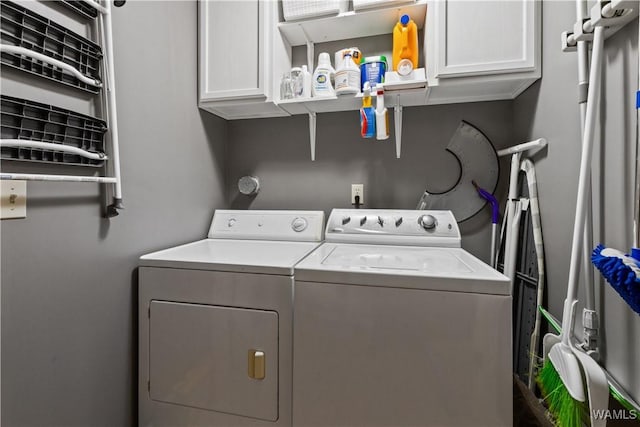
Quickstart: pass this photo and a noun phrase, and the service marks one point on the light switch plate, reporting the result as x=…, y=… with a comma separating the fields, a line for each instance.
x=13, y=199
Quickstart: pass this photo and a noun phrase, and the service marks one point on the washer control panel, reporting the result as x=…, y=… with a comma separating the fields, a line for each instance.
x=267, y=225
x=382, y=226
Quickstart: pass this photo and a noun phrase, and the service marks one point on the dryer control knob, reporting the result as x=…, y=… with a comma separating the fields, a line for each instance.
x=427, y=222
x=231, y=222
x=398, y=221
x=346, y=220
x=299, y=224
x=363, y=220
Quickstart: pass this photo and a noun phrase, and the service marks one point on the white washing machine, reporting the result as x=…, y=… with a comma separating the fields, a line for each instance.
x=396, y=325
x=215, y=322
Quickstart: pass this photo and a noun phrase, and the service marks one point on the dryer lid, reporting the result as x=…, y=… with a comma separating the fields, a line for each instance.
x=244, y=256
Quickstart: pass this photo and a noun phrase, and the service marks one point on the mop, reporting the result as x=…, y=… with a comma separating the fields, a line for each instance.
x=561, y=378
x=621, y=270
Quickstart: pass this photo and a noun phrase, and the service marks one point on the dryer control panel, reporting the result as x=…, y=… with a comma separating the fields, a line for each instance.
x=267, y=225
x=393, y=227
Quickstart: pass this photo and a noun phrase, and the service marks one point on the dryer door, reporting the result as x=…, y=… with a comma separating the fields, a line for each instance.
x=204, y=356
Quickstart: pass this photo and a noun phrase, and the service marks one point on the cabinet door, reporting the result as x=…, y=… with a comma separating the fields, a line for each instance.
x=231, y=49
x=475, y=38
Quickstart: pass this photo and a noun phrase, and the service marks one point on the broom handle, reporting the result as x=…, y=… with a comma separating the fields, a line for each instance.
x=636, y=206
x=593, y=100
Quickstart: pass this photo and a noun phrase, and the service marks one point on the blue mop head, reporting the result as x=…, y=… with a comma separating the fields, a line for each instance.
x=621, y=271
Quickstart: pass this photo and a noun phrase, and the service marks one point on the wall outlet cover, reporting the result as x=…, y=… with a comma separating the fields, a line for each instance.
x=13, y=199
x=357, y=190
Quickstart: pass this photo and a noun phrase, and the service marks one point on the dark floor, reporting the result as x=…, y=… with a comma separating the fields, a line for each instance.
x=529, y=412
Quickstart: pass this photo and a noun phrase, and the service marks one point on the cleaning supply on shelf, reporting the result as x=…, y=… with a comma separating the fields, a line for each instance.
x=355, y=53
x=367, y=114
x=306, y=82
x=405, y=46
x=372, y=70
x=382, y=115
x=347, y=77
x=322, y=76
x=297, y=82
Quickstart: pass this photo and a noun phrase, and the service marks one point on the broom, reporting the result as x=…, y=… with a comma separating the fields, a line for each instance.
x=621, y=270
x=560, y=379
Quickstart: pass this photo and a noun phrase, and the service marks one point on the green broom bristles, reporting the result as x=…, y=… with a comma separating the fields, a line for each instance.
x=567, y=411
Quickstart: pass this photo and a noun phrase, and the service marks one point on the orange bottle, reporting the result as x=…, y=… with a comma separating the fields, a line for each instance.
x=405, y=46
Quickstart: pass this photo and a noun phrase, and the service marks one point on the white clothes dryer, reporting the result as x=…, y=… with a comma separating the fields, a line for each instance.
x=397, y=325
x=215, y=322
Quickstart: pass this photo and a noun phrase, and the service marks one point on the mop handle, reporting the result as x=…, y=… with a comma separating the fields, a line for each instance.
x=593, y=99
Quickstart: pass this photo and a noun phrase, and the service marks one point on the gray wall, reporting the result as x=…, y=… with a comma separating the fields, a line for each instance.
x=277, y=151
x=68, y=275
x=549, y=109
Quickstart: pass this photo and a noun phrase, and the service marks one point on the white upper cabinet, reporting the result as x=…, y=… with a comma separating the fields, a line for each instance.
x=482, y=50
x=473, y=50
x=236, y=58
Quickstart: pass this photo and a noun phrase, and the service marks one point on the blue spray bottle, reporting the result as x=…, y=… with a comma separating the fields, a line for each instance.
x=367, y=114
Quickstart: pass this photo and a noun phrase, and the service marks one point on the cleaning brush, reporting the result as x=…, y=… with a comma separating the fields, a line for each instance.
x=621, y=270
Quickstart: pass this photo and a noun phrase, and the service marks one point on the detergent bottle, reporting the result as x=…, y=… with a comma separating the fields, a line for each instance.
x=321, y=84
x=347, y=76
x=405, y=46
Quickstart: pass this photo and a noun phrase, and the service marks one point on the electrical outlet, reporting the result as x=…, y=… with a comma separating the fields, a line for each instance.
x=13, y=199
x=357, y=190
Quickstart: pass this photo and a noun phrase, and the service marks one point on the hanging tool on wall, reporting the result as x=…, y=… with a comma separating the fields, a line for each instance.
x=621, y=270
x=478, y=161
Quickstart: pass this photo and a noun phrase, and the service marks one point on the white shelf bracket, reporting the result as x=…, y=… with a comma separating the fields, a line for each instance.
x=310, y=50
x=397, y=119
x=312, y=135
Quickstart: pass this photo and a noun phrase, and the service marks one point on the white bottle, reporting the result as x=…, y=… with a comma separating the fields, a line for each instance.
x=321, y=85
x=347, y=77
x=382, y=115
x=306, y=82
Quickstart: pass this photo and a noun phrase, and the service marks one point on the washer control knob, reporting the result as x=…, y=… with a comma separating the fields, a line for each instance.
x=231, y=222
x=381, y=221
x=398, y=221
x=346, y=220
x=299, y=224
x=427, y=222
x=363, y=220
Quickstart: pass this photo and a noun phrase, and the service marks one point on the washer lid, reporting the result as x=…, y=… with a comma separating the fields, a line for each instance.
x=447, y=269
x=246, y=256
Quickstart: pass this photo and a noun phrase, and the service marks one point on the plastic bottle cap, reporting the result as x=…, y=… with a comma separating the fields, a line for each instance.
x=369, y=59
x=324, y=59
x=404, y=20
x=405, y=67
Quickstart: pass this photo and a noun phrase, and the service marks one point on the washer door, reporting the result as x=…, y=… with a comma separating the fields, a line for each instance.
x=204, y=356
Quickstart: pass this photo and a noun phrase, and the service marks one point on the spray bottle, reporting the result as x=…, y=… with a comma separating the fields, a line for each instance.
x=367, y=114
x=382, y=115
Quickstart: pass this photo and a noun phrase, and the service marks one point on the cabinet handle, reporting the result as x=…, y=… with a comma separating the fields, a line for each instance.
x=256, y=364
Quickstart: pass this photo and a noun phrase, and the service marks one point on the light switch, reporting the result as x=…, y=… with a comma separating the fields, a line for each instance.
x=13, y=199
